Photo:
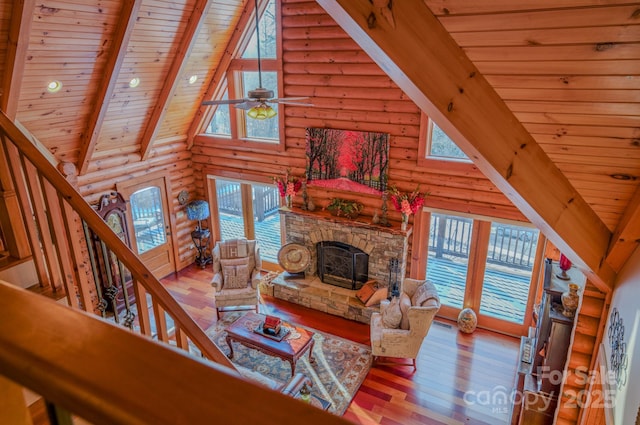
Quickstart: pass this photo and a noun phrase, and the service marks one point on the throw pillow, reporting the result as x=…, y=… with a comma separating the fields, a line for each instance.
x=391, y=314
x=366, y=291
x=405, y=303
x=234, y=248
x=235, y=273
x=379, y=295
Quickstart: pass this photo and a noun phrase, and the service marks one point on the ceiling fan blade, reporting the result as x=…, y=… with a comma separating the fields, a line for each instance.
x=247, y=104
x=288, y=99
x=296, y=103
x=224, y=102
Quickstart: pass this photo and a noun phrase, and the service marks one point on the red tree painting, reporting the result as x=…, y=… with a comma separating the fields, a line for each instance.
x=347, y=160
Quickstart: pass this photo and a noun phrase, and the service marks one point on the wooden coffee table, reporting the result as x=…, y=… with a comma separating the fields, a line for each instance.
x=291, y=348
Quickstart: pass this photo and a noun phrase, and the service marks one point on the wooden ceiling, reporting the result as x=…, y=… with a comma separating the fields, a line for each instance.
x=565, y=71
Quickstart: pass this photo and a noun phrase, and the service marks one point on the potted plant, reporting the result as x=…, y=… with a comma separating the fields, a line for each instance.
x=345, y=208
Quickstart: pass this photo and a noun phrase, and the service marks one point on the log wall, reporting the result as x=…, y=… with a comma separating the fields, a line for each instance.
x=349, y=91
x=169, y=156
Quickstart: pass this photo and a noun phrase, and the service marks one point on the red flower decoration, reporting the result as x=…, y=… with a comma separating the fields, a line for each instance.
x=288, y=185
x=407, y=203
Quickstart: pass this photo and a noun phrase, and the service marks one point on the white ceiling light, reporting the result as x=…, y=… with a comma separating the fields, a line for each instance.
x=54, y=86
x=134, y=82
x=193, y=79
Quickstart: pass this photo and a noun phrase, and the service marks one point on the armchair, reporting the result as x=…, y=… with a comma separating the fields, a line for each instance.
x=236, y=273
x=419, y=304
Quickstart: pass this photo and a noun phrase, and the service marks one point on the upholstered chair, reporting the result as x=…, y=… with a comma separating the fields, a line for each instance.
x=402, y=324
x=236, y=274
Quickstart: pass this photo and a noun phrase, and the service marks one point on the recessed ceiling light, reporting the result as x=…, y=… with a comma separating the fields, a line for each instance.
x=134, y=82
x=54, y=86
x=193, y=79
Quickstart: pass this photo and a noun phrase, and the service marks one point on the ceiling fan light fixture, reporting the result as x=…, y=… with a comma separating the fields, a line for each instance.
x=262, y=112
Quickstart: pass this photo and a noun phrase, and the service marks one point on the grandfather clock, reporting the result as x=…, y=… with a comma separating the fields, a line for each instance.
x=113, y=280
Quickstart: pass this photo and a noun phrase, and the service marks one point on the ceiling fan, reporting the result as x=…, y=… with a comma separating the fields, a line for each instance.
x=257, y=103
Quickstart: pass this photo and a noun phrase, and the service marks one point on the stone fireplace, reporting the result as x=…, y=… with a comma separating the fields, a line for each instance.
x=312, y=229
x=342, y=265
x=381, y=243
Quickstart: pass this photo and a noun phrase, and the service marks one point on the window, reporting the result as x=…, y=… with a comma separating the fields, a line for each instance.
x=510, y=260
x=440, y=145
x=449, y=245
x=485, y=264
x=242, y=76
x=259, y=219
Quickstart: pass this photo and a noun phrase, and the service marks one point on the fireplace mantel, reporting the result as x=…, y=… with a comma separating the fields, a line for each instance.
x=380, y=242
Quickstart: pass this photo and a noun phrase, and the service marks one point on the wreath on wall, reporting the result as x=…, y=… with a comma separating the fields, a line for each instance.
x=618, y=358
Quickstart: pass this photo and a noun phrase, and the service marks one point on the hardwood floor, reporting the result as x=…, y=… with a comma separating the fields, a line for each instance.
x=461, y=379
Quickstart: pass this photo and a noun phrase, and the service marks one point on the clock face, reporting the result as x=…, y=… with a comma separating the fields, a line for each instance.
x=183, y=197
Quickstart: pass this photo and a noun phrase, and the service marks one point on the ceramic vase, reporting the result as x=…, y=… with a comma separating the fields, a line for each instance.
x=288, y=201
x=405, y=221
x=467, y=321
x=570, y=300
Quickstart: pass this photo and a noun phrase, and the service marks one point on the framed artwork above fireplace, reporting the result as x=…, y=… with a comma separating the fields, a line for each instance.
x=355, y=161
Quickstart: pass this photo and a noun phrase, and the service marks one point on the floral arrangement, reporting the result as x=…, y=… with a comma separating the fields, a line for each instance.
x=288, y=185
x=407, y=203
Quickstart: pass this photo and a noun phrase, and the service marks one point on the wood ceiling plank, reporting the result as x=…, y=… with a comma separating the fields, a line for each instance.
x=161, y=105
x=591, y=51
x=626, y=237
x=537, y=19
x=454, y=7
x=570, y=95
x=547, y=117
x=458, y=97
x=121, y=38
x=613, y=82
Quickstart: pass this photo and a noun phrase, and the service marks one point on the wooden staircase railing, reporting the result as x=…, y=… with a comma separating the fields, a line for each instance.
x=53, y=212
x=106, y=374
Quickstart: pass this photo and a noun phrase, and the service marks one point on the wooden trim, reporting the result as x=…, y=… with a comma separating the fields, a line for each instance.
x=26, y=212
x=96, y=383
x=15, y=139
x=247, y=210
x=457, y=96
x=15, y=59
x=477, y=264
x=169, y=86
x=121, y=36
x=13, y=406
x=626, y=237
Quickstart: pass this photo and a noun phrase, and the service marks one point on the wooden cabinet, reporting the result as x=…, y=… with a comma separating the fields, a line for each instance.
x=541, y=373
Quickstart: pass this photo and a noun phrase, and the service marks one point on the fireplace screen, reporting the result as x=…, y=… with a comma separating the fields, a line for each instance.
x=342, y=265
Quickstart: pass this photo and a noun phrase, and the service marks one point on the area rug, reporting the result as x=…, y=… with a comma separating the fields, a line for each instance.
x=340, y=365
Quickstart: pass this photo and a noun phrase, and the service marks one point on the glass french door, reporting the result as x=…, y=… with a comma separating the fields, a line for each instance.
x=484, y=265
x=250, y=210
x=149, y=219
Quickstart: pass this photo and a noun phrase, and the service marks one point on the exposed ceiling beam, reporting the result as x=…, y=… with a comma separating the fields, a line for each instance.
x=204, y=113
x=416, y=51
x=17, y=242
x=19, y=33
x=121, y=37
x=162, y=103
x=626, y=237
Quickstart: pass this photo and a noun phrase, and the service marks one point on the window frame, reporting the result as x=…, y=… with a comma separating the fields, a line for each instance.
x=246, y=181
x=232, y=81
x=476, y=267
x=424, y=150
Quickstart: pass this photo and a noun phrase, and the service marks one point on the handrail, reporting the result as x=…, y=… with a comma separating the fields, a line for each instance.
x=108, y=375
x=139, y=271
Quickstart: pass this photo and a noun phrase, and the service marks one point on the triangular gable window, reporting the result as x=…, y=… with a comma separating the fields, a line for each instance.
x=243, y=77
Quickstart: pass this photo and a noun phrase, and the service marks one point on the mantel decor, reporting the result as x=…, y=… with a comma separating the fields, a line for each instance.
x=345, y=208
x=288, y=187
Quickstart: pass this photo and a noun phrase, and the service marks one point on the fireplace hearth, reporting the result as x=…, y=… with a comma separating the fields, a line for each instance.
x=342, y=265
